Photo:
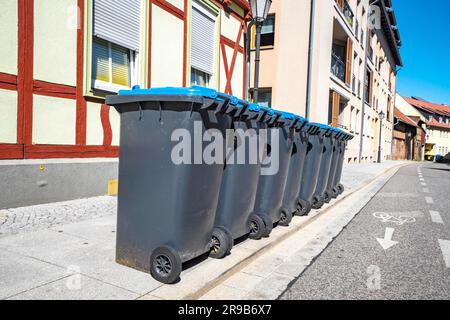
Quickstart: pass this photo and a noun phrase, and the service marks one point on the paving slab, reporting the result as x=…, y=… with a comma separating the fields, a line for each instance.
x=20, y=273
x=81, y=288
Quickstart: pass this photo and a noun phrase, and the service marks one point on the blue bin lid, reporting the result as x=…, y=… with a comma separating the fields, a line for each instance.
x=196, y=91
x=270, y=112
x=320, y=126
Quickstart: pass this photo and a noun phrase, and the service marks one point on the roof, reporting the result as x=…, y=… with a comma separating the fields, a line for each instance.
x=432, y=108
x=403, y=118
x=388, y=20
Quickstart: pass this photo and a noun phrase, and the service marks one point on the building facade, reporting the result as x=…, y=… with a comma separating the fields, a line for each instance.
x=335, y=62
x=60, y=58
x=408, y=140
x=437, y=120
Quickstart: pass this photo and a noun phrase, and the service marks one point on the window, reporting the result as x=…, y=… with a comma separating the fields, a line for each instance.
x=202, y=45
x=264, y=96
x=430, y=118
x=200, y=78
x=115, y=45
x=267, y=33
x=111, y=65
x=440, y=120
x=368, y=87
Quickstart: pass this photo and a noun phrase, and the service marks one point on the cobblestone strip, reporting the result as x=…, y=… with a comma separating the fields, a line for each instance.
x=14, y=221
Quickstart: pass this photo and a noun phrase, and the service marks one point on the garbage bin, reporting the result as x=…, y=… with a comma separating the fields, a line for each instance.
x=328, y=194
x=291, y=193
x=339, y=188
x=234, y=215
x=335, y=176
x=324, y=170
x=312, y=165
x=168, y=194
x=274, y=171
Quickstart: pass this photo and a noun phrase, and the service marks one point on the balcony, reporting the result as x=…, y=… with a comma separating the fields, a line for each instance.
x=346, y=10
x=337, y=67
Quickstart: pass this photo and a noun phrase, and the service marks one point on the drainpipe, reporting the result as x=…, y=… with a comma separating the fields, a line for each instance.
x=310, y=56
x=248, y=53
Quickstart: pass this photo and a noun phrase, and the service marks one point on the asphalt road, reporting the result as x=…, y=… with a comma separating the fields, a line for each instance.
x=416, y=262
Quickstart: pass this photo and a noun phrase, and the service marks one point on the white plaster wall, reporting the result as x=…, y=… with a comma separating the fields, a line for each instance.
x=94, y=127
x=292, y=57
x=8, y=116
x=323, y=39
x=167, y=49
x=55, y=38
x=231, y=27
x=114, y=118
x=177, y=3
x=54, y=120
x=237, y=81
x=8, y=36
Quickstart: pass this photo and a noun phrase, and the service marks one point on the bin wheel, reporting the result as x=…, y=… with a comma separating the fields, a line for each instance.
x=303, y=207
x=341, y=189
x=327, y=197
x=335, y=192
x=268, y=223
x=220, y=244
x=230, y=237
x=165, y=265
x=256, y=226
x=317, y=202
x=286, y=218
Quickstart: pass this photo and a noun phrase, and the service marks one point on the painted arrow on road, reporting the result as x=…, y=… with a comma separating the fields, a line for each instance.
x=387, y=242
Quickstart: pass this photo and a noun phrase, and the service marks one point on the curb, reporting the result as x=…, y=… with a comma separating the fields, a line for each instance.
x=258, y=253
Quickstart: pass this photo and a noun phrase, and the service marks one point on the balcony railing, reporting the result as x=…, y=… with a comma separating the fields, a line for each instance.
x=346, y=10
x=337, y=67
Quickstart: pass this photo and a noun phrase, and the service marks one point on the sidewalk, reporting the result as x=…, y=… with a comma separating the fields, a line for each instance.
x=66, y=251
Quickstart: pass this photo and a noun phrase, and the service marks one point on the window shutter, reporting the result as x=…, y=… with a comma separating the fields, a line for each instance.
x=348, y=66
x=203, y=40
x=118, y=21
x=336, y=100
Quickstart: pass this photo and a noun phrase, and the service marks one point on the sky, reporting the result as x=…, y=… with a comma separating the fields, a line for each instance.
x=425, y=31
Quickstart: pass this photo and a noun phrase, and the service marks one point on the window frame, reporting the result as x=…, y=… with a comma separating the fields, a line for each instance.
x=216, y=14
x=111, y=87
x=253, y=34
x=140, y=68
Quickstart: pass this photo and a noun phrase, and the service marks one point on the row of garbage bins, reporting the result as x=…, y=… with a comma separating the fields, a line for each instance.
x=174, y=206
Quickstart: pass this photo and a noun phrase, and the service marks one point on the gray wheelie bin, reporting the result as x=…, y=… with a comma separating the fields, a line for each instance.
x=274, y=171
x=324, y=170
x=338, y=155
x=312, y=165
x=338, y=187
x=234, y=215
x=329, y=193
x=290, y=199
x=168, y=195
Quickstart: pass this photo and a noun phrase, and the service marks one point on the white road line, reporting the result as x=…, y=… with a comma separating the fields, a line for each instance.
x=436, y=217
x=422, y=179
x=429, y=200
x=426, y=190
x=423, y=184
x=445, y=248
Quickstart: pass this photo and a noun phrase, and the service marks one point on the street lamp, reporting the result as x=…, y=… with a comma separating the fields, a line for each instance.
x=381, y=115
x=260, y=10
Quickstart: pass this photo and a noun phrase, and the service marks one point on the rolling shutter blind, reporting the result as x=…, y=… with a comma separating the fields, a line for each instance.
x=203, y=40
x=118, y=21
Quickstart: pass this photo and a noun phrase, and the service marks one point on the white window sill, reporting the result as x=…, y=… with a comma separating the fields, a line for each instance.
x=108, y=87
